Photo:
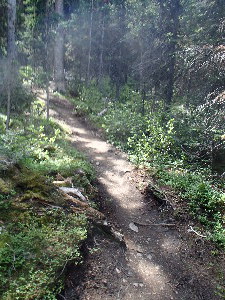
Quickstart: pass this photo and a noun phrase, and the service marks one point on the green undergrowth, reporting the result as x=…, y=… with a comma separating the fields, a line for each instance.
x=175, y=146
x=203, y=196
x=40, y=235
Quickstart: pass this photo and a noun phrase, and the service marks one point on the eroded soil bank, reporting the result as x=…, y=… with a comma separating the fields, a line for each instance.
x=159, y=262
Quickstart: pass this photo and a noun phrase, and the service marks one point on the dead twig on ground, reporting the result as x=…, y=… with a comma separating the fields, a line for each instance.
x=72, y=192
x=93, y=213
x=191, y=229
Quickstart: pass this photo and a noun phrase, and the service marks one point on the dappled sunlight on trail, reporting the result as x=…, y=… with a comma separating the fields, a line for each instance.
x=151, y=268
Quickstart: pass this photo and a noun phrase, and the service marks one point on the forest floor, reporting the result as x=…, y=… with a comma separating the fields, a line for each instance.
x=158, y=262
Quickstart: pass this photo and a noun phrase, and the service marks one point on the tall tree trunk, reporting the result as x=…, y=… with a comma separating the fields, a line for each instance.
x=59, y=50
x=170, y=12
x=119, y=60
x=102, y=48
x=11, y=51
x=141, y=78
x=47, y=101
x=47, y=65
x=123, y=44
x=90, y=41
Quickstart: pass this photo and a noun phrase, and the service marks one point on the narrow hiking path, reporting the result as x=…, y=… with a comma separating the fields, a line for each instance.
x=157, y=263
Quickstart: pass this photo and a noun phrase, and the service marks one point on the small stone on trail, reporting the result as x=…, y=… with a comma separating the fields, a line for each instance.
x=79, y=171
x=104, y=281
x=136, y=284
x=133, y=227
x=127, y=171
x=97, y=163
x=149, y=256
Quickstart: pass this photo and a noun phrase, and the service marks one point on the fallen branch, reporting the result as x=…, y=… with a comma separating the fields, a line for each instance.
x=159, y=195
x=93, y=213
x=72, y=192
x=109, y=229
x=40, y=201
x=97, y=217
x=191, y=229
x=101, y=113
x=63, y=183
x=6, y=162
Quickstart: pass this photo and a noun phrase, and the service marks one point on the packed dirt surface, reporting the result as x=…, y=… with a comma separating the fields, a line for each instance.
x=158, y=262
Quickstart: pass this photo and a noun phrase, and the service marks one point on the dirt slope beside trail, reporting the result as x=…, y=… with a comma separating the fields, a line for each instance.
x=157, y=264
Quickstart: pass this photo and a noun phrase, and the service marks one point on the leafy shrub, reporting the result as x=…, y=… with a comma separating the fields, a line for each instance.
x=2, y=123
x=121, y=123
x=156, y=144
x=199, y=130
x=33, y=251
x=43, y=150
x=206, y=202
x=37, y=241
x=90, y=100
x=20, y=99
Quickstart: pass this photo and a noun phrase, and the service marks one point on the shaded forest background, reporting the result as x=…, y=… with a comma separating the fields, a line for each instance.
x=169, y=50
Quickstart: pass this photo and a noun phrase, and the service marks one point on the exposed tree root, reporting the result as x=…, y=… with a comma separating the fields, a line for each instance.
x=91, y=212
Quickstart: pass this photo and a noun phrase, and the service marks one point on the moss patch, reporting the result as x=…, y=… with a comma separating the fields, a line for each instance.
x=39, y=235
x=5, y=187
x=40, y=231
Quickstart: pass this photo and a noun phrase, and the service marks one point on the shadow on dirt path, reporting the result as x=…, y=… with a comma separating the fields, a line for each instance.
x=157, y=264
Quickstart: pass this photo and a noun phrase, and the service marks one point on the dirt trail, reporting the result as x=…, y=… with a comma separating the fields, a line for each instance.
x=156, y=264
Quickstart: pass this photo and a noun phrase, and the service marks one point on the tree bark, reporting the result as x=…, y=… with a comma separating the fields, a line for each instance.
x=11, y=52
x=101, y=49
x=90, y=41
x=47, y=67
x=47, y=101
x=170, y=12
x=119, y=65
x=141, y=78
x=59, y=50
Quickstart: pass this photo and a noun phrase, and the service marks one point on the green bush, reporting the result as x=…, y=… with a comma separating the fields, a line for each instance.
x=156, y=144
x=41, y=147
x=90, y=100
x=199, y=131
x=205, y=201
x=121, y=123
x=21, y=99
x=34, y=249
x=2, y=123
x=39, y=234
